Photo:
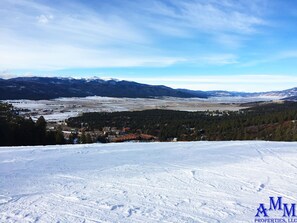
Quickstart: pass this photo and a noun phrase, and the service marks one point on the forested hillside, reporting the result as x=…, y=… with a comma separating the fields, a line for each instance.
x=263, y=121
x=273, y=121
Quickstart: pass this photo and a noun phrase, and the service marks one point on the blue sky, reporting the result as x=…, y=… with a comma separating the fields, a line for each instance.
x=198, y=44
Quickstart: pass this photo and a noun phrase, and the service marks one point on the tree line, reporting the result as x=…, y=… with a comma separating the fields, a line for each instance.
x=16, y=130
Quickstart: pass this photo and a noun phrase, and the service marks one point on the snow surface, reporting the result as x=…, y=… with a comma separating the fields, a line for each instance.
x=145, y=182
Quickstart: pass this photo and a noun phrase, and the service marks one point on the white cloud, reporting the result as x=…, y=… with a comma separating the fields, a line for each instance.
x=247, y=83
x=277, y=56
x=44, y=19
x=6, y=74
x=209, y=16
x=217, y=59
x=230, y=41
x=39, y=36
x=85, y=41
x=44, y=37
x=50, y=57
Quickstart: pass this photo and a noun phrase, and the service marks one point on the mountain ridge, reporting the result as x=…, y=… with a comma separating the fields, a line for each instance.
x=39, y=88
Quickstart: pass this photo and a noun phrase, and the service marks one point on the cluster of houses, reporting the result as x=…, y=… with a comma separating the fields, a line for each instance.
x=108, y=134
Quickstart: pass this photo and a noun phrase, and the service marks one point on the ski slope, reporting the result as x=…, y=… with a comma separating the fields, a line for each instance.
x=145, y=182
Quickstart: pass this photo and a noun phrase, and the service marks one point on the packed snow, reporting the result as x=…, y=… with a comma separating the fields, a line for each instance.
x=145, y=182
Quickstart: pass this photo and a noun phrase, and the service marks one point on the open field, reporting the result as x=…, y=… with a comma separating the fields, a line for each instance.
x=63, y=108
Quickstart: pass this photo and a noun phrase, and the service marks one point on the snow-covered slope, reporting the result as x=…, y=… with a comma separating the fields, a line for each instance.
x=138, y=182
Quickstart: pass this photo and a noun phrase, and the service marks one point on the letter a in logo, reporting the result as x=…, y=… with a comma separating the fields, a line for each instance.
x=261, y=210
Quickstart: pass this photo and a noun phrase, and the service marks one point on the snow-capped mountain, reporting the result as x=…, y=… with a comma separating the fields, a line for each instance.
x=37, y=88
x=54, y=87
x=285, y=93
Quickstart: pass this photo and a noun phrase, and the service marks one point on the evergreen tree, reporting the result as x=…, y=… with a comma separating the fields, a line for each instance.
x=41, y=130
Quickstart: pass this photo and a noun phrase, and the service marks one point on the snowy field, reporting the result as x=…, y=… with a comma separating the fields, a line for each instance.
x=145, y=182
x=62, y=108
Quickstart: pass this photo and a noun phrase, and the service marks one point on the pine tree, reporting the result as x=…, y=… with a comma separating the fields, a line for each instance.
x=59, y=137
x=41, y=130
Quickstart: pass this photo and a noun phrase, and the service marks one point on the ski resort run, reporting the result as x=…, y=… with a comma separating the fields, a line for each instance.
x=145, y=182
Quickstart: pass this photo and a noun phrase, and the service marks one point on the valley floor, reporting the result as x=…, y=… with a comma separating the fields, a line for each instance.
x=145, y=182
x=62, y=108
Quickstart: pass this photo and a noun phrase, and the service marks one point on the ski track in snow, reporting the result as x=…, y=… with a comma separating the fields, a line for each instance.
x=145, y=182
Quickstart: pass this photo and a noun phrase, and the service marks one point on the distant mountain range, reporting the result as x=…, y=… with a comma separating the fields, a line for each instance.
x=38, y=88
x=289, y=94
